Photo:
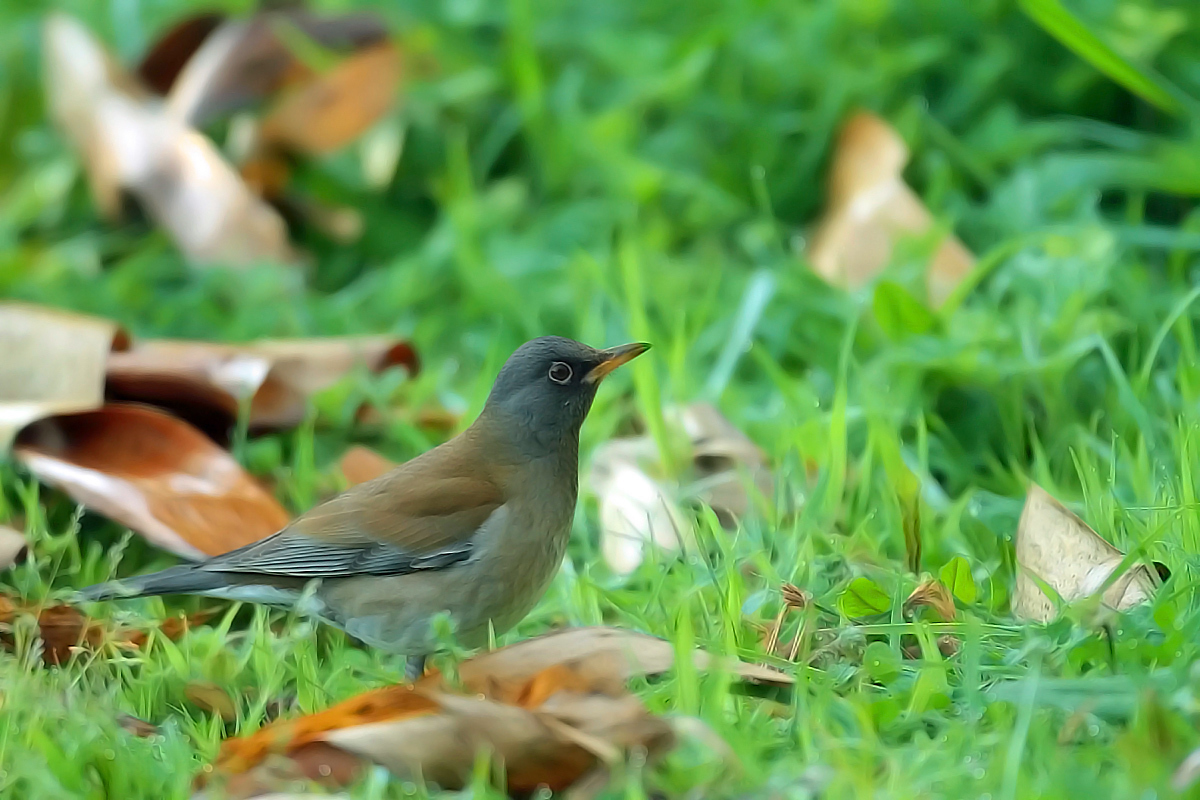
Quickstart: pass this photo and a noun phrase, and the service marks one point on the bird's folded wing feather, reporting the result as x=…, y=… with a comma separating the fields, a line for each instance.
x=407, y=520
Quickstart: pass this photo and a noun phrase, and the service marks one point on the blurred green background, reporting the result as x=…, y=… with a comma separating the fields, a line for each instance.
x=651, y=170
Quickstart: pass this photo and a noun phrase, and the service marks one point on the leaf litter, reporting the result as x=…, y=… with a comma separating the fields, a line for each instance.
x=138, y=135
x=553, y=710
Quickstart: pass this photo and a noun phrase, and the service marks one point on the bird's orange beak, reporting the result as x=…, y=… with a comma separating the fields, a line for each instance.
x=613, y=358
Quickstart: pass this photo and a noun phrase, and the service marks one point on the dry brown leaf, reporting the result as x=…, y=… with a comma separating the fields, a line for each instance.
x=12, y=547
x=334, y=109
x=561, y=725
x=635, y=653
x=212, y=699
x=153, y=473
x=130, y=143
x=934, y=594
x=246, y=61
x=1065, y=553
x=53, y=363
x=793, y=598
x=63, y=628
x=361, y=464
x=205, y=381
x=869, y=206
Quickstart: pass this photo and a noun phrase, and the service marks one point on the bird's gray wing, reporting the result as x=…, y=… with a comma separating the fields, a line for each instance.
x=293, y=554
x=299, y=556
x=388, y=526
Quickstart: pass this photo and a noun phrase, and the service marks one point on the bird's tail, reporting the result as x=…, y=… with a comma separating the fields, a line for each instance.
x=184, y=579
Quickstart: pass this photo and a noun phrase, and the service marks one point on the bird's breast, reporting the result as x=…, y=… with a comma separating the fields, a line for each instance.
x=521, y=549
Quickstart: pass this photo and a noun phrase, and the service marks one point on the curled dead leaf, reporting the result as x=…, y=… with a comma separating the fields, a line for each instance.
x=153, y=473
x=53, y=363
x=869, y=206
x=1065, y=553
x=204, y=382
x=933, y=594
x=361, y=464
x=130, y=143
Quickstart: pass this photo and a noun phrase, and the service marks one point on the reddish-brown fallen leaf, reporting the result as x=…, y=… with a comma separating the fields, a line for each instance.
x=334, y=109
x=53, y=362
x=63, y=628
x=166, y=58
x=204, y=381
x=380, y=705
x=869, y=206
x=360, y=464
x=153, y=473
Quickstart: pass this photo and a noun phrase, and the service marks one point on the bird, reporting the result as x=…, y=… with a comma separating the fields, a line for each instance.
x=476, y=527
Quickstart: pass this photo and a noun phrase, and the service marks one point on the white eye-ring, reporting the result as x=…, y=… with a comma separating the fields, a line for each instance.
x=560, y=372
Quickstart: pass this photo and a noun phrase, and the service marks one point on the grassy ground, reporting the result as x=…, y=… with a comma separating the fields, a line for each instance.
x=632, y=169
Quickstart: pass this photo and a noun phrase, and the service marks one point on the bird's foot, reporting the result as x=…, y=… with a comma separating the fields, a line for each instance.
x=414, y=668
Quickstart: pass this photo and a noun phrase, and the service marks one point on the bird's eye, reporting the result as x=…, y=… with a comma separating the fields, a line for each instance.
x=560, y=372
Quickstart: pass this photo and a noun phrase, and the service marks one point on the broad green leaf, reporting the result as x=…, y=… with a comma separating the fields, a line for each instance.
x=931, y=689
x=881, y=662
x=956, y=575
x=863, y=598
x=1059, y=22
x=899, y=314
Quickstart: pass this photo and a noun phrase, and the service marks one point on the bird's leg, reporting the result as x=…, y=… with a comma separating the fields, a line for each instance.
x=414, y=668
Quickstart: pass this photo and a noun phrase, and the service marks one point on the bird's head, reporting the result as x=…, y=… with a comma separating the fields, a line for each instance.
x=545, y=390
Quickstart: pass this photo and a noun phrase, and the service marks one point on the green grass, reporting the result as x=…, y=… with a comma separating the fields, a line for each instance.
x=642, y=169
